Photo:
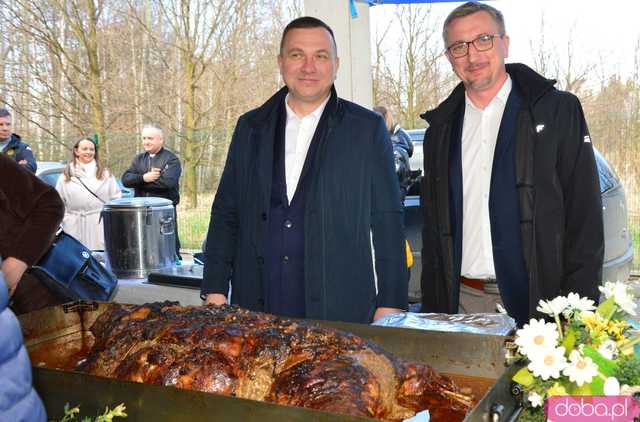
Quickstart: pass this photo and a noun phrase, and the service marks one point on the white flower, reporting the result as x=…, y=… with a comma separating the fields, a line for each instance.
x=581, y=369
x=535, y=399
x=575, y=303
x=554, y=306
x=622, y=295
x=536, y=336
x=611, y=387
x=548, y=363
x=608, y=349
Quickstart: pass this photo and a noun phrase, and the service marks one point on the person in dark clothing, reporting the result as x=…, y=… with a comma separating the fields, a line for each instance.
x=402, y=149
x=12, y=146
x=30, y=214
x=307, y=220
x=155, y=172
x=510, y=194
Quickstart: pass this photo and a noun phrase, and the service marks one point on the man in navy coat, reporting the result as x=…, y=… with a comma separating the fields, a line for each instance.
x=307, y=219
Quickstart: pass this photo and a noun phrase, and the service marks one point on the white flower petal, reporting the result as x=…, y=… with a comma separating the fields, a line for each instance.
x=611, y=387
x=535, y=399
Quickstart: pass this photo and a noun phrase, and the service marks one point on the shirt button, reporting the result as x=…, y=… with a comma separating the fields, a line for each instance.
x=288, y=224
x=285, y=259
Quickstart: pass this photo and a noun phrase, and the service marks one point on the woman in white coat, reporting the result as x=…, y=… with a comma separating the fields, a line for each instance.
x=85, y=187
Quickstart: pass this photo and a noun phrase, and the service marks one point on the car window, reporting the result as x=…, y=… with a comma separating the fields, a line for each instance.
x=51, y=178
x=608, y=179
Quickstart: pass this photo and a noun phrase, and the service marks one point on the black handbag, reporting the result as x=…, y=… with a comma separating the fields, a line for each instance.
x=70, y=271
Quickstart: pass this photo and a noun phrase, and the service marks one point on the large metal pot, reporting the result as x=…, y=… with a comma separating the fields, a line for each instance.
x=139, y=235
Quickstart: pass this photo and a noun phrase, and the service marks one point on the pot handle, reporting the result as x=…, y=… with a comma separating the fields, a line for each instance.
x=166, y=225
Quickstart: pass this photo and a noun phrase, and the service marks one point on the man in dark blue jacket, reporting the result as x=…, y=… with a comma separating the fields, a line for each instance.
x=510, y=195
x=12, y=146
x=307, y=220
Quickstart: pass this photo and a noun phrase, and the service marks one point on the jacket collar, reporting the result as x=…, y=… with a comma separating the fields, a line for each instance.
x=14, y=141
x=263, y=115
x=529, y=83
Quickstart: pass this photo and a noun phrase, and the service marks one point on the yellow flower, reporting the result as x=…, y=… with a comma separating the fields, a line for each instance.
x=557, y=390
x=616, y=329
x=594, y=323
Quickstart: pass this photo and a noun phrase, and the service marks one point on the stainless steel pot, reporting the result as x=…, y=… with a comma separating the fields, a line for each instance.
x=139, y=235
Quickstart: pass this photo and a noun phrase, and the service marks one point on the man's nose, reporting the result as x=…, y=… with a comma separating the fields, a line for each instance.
x=309, y=64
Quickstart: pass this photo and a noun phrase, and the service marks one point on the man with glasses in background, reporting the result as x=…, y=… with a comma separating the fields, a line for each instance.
x=510, y=195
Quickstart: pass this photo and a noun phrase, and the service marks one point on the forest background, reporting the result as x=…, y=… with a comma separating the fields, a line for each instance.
x=70, y=68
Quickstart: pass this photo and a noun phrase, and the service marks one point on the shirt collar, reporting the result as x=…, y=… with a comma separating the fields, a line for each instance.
x=502, y=95
x=316, y=114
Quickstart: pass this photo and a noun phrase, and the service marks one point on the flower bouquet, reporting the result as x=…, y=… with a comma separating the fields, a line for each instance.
x=587, y=351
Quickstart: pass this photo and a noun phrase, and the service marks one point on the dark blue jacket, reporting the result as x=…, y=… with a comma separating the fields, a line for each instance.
x=18, y=151
x=559, y=204
x=19, y=402
x=353, y=192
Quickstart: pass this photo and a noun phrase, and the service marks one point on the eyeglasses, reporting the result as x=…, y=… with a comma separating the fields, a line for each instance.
x=483, y=43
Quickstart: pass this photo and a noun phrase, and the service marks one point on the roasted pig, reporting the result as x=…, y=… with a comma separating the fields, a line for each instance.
x=232, y=351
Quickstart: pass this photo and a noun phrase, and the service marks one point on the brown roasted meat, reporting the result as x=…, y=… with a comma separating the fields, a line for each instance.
x=232, y=351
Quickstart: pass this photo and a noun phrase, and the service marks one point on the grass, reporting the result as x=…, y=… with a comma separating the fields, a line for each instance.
x=193, y=223
x=635, y=238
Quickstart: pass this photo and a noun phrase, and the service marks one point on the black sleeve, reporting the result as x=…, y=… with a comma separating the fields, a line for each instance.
x=169, y=175
x=132, y=178
x=584, y=232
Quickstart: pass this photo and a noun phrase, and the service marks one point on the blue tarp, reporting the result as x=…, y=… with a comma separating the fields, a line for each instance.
x=375, y=2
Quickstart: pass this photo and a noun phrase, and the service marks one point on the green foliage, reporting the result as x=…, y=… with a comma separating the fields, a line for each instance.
x=71, y=413
x=605, y=366
x=532, y=415
x=523, y=377
x=628, y=371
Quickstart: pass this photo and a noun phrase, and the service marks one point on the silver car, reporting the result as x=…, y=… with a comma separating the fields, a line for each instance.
x=618, y=247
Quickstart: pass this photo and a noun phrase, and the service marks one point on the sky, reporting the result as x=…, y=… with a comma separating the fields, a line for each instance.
x=604, y=33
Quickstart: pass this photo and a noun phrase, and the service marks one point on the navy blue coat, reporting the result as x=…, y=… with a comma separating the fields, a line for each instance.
x=19, y=402
x=353, y=193
x=18, y=151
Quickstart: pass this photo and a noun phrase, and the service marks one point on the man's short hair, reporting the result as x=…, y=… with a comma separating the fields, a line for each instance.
x=307, y=22
x=154, y=126
x=4, y=112
x=469, y=8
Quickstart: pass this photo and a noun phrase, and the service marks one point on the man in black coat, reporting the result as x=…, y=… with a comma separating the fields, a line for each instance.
x=510, y=195
x=12, y=146
x=156, y=171
x=307, y=220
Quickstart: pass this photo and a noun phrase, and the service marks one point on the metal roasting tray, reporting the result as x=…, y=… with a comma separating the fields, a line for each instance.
x=58, y=335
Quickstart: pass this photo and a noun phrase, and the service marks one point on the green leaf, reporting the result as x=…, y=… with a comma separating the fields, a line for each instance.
x=606, y=308
x=569, y=341
x=605, y=366
x=597, y=386
x=523, y=377
x=585, y=390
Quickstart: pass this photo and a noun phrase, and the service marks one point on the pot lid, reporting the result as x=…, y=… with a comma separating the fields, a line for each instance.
x=142, y=202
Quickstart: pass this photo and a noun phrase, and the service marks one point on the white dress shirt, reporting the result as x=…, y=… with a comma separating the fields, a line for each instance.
x=479, y=135
x=298, y=135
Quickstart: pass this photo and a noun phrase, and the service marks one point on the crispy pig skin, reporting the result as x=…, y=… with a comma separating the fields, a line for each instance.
x=232, y=351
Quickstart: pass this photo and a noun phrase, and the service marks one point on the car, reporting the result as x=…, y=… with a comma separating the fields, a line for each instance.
x=50, y=171
x=618, y=246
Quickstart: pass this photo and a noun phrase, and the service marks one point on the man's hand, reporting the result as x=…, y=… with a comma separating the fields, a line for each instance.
x=215, y=299
x=152, y=175
x=380, y=312
x=23, y=162
x=13, y=268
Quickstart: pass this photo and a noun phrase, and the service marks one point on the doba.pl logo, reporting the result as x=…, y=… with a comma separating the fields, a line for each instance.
x=592, y=408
